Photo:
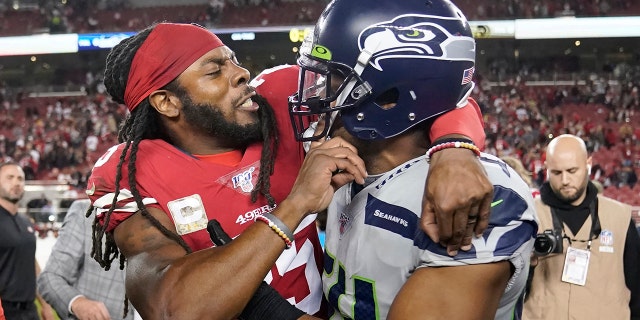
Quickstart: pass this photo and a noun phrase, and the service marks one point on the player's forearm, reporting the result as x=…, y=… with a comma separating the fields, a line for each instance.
x=452, y=292
x=225, y=276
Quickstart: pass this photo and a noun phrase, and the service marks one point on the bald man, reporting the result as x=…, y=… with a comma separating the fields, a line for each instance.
x=587, y=249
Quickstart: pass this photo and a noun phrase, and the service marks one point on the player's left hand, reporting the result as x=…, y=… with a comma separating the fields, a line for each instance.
x=457, y=199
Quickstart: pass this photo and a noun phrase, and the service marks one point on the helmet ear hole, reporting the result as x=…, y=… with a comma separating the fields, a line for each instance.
x=388, y=99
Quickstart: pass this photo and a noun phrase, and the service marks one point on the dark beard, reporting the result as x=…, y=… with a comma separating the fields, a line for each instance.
x=210, y=119
x=575, y=197
x=12, y=200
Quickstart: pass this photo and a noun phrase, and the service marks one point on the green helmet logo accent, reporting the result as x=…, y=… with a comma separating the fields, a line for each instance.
x=413, y=33
x=321, y=52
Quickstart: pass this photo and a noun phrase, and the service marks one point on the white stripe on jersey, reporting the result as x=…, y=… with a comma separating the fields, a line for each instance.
x=103, y=203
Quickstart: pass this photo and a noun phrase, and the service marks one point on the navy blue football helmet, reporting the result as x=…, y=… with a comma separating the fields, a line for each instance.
x=383, y=66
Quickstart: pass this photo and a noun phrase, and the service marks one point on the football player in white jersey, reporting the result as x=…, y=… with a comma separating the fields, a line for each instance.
x=377, y=75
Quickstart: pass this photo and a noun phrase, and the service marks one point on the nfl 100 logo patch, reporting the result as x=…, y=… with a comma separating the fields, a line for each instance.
x=345, y=221
x=244, y=180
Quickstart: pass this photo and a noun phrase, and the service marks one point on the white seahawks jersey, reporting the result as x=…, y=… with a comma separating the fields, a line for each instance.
x=374, y=242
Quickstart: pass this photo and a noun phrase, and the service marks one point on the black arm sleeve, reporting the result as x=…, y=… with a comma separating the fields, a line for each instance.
x=631, y=262
x=268, y=304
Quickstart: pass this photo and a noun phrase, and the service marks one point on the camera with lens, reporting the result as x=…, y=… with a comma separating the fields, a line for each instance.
x=547, y=242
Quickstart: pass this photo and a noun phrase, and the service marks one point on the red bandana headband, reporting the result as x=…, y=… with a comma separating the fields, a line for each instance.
x=168, y=50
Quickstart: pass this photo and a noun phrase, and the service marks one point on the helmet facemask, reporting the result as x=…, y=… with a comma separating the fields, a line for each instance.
x=325, y=88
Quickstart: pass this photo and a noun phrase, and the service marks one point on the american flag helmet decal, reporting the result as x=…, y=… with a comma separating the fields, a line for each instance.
x=467, y=75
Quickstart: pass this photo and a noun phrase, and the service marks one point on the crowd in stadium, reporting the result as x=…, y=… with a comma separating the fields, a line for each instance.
x=60, y=138
x=31, y=16
x=520, y=120
x=510, y=9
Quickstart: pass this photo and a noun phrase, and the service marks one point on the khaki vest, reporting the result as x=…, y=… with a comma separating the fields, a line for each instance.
x=605, y=294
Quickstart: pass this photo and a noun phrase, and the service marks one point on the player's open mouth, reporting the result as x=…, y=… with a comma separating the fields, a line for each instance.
x=248, y=105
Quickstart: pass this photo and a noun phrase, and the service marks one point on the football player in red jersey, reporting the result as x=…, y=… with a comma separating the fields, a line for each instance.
x=197, y=148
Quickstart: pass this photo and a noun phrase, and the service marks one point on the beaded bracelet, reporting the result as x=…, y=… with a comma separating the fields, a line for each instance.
x=278, y=227
x=451, y=144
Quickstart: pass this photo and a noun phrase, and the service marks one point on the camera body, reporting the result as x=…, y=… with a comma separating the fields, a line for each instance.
x=547, y=242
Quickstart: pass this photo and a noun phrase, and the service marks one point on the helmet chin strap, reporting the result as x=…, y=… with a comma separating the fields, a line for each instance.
x=309, y=133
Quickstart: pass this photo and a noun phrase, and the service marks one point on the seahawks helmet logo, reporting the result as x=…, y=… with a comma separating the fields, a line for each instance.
x=416, y=36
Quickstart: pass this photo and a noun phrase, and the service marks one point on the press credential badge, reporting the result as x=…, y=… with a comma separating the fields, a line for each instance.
x=576, y=265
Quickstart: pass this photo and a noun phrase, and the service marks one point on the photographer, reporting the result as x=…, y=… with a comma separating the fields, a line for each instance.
x=587, y=250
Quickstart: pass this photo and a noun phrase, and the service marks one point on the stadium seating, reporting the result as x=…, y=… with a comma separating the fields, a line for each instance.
x=277, y=13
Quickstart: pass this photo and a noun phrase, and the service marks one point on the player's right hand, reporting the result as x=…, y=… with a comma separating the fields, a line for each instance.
x=446, y=219
x=326, y=168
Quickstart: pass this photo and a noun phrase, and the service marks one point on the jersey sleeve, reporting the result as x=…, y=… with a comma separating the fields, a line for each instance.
x=466, y=121
x=277, y=84
x=101, y=189
x=512, y=224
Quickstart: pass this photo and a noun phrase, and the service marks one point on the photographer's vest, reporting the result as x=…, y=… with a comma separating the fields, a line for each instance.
x=605, y=294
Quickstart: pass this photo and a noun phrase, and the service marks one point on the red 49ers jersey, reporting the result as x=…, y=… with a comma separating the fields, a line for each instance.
x=192, y=192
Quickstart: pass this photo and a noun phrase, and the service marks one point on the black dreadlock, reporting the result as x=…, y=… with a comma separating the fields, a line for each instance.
x=269, y=146
x=144, y=123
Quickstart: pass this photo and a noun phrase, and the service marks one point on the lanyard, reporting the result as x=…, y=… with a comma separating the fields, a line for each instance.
x=595, y=225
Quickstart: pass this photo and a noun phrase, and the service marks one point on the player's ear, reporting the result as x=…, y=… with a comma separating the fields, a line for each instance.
x=165, y=102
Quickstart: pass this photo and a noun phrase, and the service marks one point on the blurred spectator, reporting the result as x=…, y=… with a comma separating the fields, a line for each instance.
x=598, y=186
x=47, y=212
x=626, y=176
x=597, y=173
x=34, y=207
x=18, y=251
x=620, y=176
x=610, y=138
x=517, y=165
x=626, y=130
x=74, y=283
x=57, y=22
x=214, y=10
x=92, y=142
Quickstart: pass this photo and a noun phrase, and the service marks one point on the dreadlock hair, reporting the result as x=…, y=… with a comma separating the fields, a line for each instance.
x=269, y=146
x=144, y=123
